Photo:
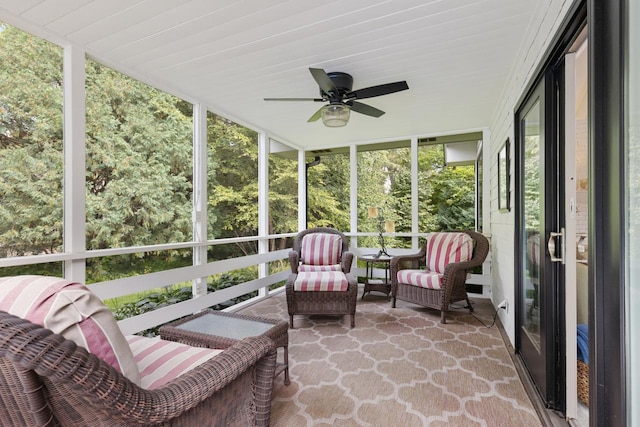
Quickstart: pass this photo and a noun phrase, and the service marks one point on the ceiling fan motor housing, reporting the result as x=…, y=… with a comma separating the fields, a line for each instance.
x=342, y=81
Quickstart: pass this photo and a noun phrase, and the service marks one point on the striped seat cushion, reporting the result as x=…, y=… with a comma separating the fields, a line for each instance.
x=420, y=278
x=448, y=247
x=321, y=281
x=331, y=267
x=321, y=249
x=72, y=310
x=161, y=361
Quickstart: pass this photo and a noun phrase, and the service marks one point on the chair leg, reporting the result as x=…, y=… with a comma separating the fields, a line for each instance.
x=469, y=305
x=353, y=321
x=443, y=316
x=291, y=321
x=393, y=302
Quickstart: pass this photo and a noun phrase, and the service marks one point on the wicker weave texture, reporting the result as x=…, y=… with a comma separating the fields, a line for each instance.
x=583, y=382
x=46, y=377
x=455, y=276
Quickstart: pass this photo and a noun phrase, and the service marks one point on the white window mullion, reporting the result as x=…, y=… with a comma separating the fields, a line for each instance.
x=414, y=193
x=353, y=195
x=263, y=204
x=200, y=194
x=302, y=190
x=74, y=186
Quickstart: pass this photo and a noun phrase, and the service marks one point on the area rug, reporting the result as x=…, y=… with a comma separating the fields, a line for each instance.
x=397, y=367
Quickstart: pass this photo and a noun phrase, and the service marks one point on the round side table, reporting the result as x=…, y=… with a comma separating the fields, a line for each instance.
x=379, y=285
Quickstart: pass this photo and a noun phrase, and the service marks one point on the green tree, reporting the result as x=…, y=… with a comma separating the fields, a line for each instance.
x=328, y=192
x=139, y=162
x=283, y=197
x=450, y=195
x=233, y=184
x=446, y=195
x=30, y=144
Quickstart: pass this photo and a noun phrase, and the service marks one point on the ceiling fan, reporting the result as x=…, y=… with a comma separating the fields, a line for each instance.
x=335, y=88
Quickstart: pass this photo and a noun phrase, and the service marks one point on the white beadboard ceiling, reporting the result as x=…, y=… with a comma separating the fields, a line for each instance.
x=230, y=54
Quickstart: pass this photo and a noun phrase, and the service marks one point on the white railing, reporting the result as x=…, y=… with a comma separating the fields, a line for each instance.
x=146, y=282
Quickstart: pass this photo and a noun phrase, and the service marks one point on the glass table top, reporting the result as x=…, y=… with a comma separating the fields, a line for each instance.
x=375, y=257
x=226, y=326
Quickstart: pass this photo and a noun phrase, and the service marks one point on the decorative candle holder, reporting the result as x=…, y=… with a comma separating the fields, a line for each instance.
x=384, y=225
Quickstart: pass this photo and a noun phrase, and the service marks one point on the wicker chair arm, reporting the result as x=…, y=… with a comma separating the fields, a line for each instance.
x=347, y=260
x=110, y=394
x=213, y=375
x=455, y=274
x=294, y=261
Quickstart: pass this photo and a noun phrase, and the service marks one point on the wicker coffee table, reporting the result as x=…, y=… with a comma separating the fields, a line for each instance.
x=216, y=329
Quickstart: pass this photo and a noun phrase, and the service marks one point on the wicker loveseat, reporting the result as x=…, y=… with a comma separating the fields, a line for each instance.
x=435, y=277
x=49, y=380
x=320, y=281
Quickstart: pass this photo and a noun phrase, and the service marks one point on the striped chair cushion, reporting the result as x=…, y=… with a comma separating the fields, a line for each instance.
x=448, y=247
x=72, y=310
x=331, y=267
x=321, y=281
x=420, y=278
x=321, y=249
x=161, y=361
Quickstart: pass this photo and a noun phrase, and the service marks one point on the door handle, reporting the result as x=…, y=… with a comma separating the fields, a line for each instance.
x=551, y=246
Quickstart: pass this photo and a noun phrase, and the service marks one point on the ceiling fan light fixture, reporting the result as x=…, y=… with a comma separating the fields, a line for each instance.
x=335, y=115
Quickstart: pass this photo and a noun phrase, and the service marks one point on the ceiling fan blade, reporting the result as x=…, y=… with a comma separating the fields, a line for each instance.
x=295, y=99
x=361, y=108
x=315, y=116
x=370, y=92
x=323, y=80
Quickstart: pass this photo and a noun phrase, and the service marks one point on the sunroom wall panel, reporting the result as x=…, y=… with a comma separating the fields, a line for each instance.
x=545, y=23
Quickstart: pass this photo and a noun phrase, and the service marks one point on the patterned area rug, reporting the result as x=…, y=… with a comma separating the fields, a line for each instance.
x=397, y=367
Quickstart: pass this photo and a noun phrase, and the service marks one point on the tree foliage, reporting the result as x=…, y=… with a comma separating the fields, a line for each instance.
x=283, y=196
x=328, y=193
x=30, y=144
x=446, y=195
x=233, y=185
x=139, y=162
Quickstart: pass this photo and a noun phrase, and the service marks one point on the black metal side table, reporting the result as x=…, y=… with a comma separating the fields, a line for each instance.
x=379, y=285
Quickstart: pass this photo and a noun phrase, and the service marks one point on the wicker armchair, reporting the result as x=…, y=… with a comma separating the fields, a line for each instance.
x=320, y=281
x=65, y=362
x=47, y=380
x=429, y=279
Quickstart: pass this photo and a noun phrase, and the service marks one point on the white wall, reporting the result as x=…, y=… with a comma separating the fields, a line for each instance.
x=538, y=37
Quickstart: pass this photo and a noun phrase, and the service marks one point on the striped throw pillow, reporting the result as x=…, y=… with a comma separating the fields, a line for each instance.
x=321, y=249
x=72, y=310
x=161, y=361
x=448, y=247
x=321, y=281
